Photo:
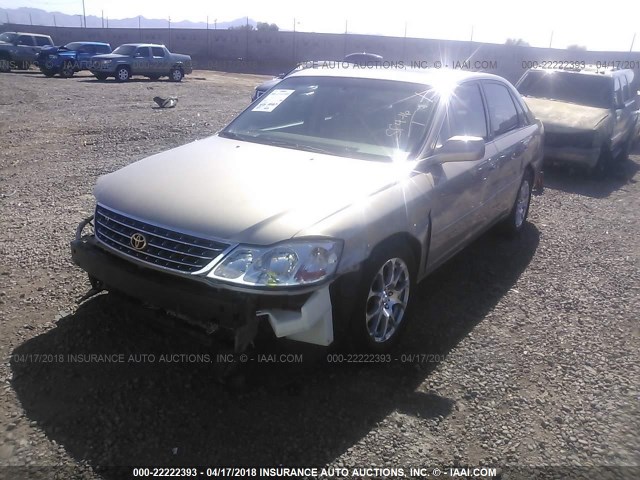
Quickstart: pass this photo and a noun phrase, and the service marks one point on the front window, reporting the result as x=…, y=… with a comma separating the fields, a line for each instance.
x=8, y=37
x=583, y=89
x=125, y=50
x=351, y=117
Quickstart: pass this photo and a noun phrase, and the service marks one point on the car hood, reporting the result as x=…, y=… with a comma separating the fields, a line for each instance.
x=241, y=191
x=554, y=113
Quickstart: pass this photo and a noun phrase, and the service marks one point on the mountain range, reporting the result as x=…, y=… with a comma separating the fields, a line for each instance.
x=36, y=16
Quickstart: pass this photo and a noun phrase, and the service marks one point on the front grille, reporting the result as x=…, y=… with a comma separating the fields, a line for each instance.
x=164, y=248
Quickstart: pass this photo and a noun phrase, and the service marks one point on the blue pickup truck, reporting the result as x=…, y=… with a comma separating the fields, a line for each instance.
x=70, y=58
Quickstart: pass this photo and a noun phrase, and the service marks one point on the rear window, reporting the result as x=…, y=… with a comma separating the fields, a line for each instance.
x=43, y=41
x=103, y=49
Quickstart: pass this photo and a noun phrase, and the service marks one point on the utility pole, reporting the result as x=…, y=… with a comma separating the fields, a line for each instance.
x=632, y=42
x=294, y=40
x=30, y=20
x=54, y=22
x=107, y=21
x=215, y=23
x=246, y=53
x=346, y=29
x=551, y=39
x=103, y=19
x=140, y=27
x=170, y=48
x=84, y=15
x=404, y=42
x=471, y=33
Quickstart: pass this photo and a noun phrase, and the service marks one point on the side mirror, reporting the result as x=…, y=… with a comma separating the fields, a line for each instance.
x=460, y=149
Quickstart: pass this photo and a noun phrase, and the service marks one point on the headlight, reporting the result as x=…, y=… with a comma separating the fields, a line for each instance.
x=286, y=264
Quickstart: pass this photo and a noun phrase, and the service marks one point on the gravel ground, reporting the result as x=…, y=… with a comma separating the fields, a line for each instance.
x=527, y=350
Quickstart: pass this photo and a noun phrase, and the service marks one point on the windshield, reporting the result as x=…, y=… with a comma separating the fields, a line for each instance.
x=583, y=89
x=125, y=50
x=8, y=37
x=351, y=117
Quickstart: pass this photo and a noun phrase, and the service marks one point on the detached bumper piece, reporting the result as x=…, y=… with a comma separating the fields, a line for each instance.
x=305, y=317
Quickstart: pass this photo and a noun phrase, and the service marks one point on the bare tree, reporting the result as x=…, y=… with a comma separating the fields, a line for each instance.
x=518, y=42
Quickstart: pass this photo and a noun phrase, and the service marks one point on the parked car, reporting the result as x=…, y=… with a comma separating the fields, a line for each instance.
x=320, y=206
x=587, y=114
x=70, y=58
x=264, y=87
x=364, y=59
x=19, y=50
x=145, y=59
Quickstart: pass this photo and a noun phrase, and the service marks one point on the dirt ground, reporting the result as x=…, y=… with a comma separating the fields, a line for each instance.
x=527, y=349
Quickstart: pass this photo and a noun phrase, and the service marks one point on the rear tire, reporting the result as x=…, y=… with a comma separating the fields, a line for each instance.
x=66, y=70
x=5, y=64
x=514, y=223
x=176, y=75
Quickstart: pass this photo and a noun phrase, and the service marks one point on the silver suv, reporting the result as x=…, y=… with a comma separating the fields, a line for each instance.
x=20, y=50
x=320, y=206
x=588, y=114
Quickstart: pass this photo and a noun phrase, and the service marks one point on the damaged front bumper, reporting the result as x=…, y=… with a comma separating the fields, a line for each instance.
x=585, y=157
x=305, y=317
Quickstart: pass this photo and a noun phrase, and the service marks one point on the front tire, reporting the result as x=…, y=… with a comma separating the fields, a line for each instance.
x=517, y=218
x=603, y=166
x=122, y=74
x=383, y=299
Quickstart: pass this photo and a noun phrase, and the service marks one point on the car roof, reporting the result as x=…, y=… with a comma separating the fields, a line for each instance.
x=89, y=43
x=589, y=70
x=27, y=33
x=425, y=76
x=142, y=45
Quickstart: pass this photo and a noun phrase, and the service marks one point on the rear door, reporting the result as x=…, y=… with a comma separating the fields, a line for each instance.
x=159, y=61
x=27, y=51
x=141, y=61
x=510, y=135
x=85, y=52
x=459, y=186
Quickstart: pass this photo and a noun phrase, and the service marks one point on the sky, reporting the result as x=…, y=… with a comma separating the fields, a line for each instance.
x=611, y=27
